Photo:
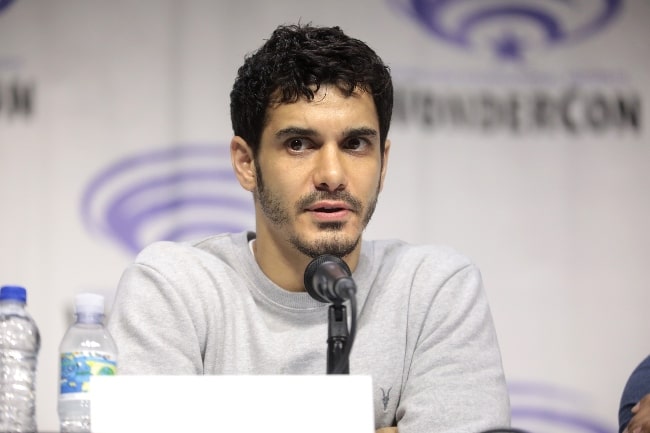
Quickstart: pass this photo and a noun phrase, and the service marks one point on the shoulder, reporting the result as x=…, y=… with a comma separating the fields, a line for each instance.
x=639, y=381
x=185, y=263
x=421, y=273
x=189, y=270
x=168, y=253
x=427, y=258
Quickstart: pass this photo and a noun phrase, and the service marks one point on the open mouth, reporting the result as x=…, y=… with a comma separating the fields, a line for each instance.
x=332, y=211
x=329, y=209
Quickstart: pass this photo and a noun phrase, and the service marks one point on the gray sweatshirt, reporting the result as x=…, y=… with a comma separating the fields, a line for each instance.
x=424, y=329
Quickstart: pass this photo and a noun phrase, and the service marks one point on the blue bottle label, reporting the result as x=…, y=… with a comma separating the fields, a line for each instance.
x=78, y=367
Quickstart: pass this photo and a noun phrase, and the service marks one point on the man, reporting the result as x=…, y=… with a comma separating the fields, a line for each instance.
x=634, y=410
x=311, y=112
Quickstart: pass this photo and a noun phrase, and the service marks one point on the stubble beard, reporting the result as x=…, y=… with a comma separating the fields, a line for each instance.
x=334, y=243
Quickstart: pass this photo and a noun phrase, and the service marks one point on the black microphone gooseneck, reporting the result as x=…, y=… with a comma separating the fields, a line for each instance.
x=328, y=279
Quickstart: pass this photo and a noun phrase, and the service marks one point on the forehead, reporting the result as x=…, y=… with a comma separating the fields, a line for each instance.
x=329, y=105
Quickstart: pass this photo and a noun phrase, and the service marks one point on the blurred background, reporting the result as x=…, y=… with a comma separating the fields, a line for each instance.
x=520, y=137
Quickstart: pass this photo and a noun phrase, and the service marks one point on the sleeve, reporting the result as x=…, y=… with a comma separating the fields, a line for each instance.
x=637, y=386
x=455, y=382
x=154, y=325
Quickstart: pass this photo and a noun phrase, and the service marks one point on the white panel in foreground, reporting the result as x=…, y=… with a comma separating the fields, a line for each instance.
x=233, y=404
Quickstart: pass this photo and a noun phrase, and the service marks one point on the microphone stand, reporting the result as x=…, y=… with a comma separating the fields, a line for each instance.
x=337, y=338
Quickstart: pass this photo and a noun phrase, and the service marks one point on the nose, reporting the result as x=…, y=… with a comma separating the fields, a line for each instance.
x=329, y=172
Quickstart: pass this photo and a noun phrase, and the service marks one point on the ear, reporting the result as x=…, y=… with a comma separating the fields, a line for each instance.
x=241, y=156
x=384, y=164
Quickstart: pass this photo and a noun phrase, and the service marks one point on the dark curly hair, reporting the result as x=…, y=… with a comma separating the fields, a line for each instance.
x=295, y=62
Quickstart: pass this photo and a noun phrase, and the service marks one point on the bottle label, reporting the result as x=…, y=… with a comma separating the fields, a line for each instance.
x=78, y=367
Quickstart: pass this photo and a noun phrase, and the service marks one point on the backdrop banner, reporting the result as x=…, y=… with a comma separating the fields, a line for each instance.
x=519, y=137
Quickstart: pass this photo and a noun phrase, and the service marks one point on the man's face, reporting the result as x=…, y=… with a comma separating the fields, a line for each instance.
x=319, y=171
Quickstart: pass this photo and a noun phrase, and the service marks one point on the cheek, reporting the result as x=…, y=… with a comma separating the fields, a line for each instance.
x=371, y=182
x=290, y=182
x=284, y=189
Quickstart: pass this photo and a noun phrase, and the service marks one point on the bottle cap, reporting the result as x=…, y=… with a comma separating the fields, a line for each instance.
x=17, y=293
x=89, y=303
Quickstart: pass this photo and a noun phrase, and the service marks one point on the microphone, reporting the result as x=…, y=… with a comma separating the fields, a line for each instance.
x=328, y=279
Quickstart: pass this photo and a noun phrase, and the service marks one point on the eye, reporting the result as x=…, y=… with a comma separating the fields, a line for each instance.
x=295, y=144
x=356, y=143
x=298, y=144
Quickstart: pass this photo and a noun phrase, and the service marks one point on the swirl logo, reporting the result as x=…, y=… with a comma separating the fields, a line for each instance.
x=5, y=4
x=543, y=408
x=509, y=28
x=174, y=194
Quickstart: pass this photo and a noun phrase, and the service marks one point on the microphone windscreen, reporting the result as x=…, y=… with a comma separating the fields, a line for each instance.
x=313, y=267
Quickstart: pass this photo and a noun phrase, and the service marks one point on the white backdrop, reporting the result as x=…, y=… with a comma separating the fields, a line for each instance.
x=520, y=138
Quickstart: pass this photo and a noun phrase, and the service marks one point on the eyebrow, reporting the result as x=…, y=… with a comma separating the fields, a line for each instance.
x=309, y=132
x=295, y=130
x=361, y=132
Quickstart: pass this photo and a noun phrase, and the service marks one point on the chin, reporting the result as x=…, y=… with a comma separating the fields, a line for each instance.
x=337, y=244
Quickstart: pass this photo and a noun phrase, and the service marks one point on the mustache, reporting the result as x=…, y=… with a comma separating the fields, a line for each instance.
x=315, y=196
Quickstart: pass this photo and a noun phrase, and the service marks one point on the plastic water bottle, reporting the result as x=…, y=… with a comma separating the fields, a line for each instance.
x=87, y=349
x=20, y=342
